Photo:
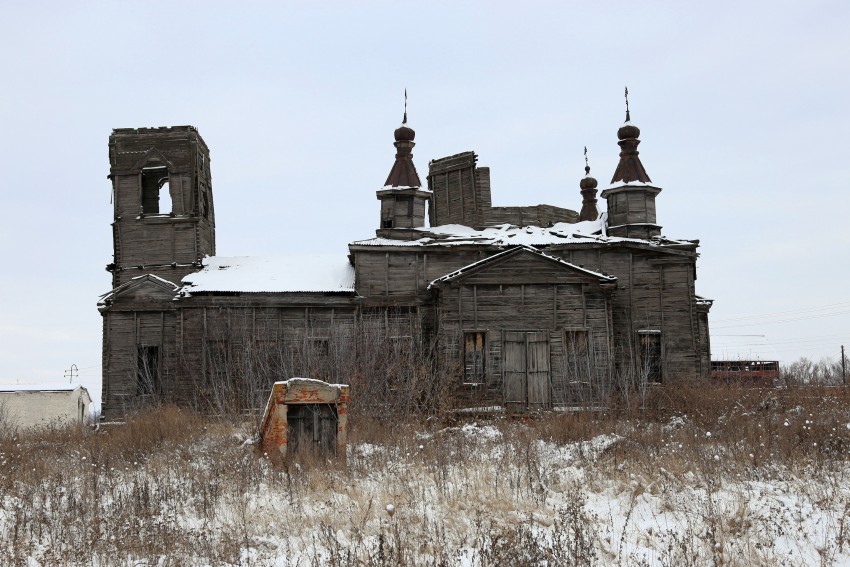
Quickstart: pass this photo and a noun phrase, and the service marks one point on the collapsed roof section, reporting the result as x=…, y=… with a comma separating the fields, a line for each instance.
x=585, y=232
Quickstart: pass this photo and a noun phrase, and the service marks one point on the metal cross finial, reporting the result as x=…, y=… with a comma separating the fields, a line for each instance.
x=628, y=117
x=405, y=107
x=586, y=164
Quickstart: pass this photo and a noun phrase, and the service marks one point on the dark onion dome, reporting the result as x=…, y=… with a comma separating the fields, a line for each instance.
x=628, y=130
x=404, y=133
x=587, y=182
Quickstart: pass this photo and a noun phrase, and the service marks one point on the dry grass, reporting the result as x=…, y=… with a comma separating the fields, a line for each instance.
x=172, y=487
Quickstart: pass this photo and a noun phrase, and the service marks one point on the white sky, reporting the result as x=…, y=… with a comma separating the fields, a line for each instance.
x=743, y=108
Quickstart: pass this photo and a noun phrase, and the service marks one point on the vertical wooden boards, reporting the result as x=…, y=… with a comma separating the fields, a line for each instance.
x=526, y=369
x=514, y=366
x=538, y=371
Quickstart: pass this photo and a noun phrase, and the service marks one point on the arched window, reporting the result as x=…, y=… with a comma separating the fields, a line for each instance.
x=165, y=205
x=155, y=189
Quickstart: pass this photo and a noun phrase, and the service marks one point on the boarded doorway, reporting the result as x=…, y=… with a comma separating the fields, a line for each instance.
x=312, y=427
x=527, y=370
x=305, y=415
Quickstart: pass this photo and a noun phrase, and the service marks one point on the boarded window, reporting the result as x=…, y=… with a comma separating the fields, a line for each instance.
x=320, y=346
x=217, y=361
x=577, y=352
x=147, y=370
x=576, y=343
x=473, y=357
x=650, y=356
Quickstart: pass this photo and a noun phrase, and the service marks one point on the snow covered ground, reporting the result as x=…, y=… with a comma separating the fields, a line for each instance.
x=499, y=492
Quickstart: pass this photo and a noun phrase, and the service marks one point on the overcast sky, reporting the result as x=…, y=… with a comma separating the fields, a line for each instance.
x=743, y=108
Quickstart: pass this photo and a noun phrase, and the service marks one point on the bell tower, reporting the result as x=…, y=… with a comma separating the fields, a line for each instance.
x=164, y=221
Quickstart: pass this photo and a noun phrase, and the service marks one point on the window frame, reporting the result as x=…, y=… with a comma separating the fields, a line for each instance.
x=478, y=374
x=148, y=370
x=654, y=375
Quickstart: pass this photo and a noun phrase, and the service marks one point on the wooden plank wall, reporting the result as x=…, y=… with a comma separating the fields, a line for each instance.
x=461, y=191
x=408, y=272
x=124, y=332
x=538, y=215
x=156, y=241
x=261, y=325
x=486, y=301
x=655, y=290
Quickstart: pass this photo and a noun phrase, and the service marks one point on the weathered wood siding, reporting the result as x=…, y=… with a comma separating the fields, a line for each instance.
x=407, y=272
x=539, y=215
x=655, y=292
x=529, y=295
x=461, y=191
x=126, y=331
x=631, y=205
x=461, y=195
x=169, y=242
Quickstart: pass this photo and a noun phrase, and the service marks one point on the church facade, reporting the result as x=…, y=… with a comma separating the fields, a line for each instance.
x=523, y=308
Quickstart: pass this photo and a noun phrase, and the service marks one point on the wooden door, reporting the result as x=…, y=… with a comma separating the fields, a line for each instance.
x=311, y=427
x=537, y=355
x=526, y=370
x=514, y=365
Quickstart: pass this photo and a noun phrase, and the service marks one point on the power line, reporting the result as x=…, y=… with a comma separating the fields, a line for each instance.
x=788, y=341
x=791, y=320
x=801, y=310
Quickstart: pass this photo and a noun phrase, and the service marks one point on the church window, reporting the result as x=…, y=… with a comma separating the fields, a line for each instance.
x=473, y=357
x=649, y=343
x=147, y=370
x=156, y=196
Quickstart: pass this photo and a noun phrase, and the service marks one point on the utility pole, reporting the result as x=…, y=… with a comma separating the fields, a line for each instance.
x=69, y=374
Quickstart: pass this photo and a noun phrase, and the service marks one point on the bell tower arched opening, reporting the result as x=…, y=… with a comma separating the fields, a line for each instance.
x=156, y=196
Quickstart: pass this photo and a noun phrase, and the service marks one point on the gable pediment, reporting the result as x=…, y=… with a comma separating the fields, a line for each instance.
x=522, y=265
x=152, y=158
x=144, y=292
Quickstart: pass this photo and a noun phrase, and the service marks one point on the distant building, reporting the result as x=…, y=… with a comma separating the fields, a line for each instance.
x=534, y=306
x=42, y=405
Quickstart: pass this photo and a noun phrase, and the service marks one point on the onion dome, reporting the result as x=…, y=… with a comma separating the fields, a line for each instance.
x=630, y=168
x=404, y=133
x=403, y=172
x=588, y=212
x=628, y=130
x=587, y=181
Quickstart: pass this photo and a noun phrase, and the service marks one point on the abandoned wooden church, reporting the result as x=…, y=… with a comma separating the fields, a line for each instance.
x=518, y=307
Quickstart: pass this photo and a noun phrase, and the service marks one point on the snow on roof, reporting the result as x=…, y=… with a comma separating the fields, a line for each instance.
x=272, y=274
x=588, y=232
x=42, y=387
x=506, y=234
x=619, y=184
x=400, y=187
